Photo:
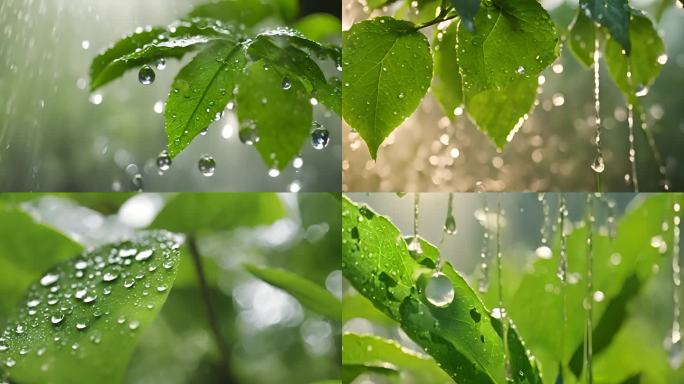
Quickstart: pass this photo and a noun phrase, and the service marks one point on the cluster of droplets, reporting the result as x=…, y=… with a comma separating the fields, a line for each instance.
x=562, y=271
x=76, y=294
x=439, y=290
x=673, y=342
x=589, y=297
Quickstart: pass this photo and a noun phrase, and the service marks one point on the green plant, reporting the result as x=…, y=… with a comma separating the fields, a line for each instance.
x=462, y=335
x=269, y=73
x=116, y=312
x=485, y=58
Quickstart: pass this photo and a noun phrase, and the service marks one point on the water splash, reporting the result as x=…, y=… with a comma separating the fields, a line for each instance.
x=589, y=296
x=598, y=165
x=673, y=342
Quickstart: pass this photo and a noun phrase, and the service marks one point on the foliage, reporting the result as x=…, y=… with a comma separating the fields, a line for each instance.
x=487, y=57
x=268, y=74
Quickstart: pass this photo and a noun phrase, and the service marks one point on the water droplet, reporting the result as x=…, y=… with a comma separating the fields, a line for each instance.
x=133, y=325
x=298, y=162
x=32, y=303
x=161, y=64
x=450, y=225
x=544, y=252
x=598, y=165
x=401, y=95
x=162, y=288
x=287, y=84
x=439, y=290
x=85, y=44
x=20, y=329
x=249, y=134
x=641, y=91
x=57, y=318
x=81, y=265
x=320, y=137
x=520, y=70
x=144, y=255
x=49, y=279
x=207, y=165
x=137, y=182
x=110, y=275
x=498, y=313
x=158, y=107
x=164, y=161
x=129, y=283
x=146, y=75
x=415, y=248
x=81, y=324
x=274, y=172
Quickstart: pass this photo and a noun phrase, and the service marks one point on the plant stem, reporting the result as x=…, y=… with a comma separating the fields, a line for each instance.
x=211, y=312
x=443, y=16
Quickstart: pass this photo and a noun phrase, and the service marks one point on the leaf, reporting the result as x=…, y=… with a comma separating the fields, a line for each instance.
x=191, y=213
x=500, y=114
x=246, y=12
x=581, y=39
x=357, y=306
x=147, y=46
x=277, y=50
x=27, y=249
x=643, y=62
x=308, y=293
x=521, y=27
x=319, y=26
x=282, y=118
x=387, y=71
x=462, y=337
x=89, y=292
x=376, y=352
x=447, y=85
x=467, y=9
x=614, y=15
x=201, y=91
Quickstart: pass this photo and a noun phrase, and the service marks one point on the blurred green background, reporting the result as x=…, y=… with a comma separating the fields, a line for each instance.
x=554, y=149
x=270, y=335
x=53, y=138
x=643, y=247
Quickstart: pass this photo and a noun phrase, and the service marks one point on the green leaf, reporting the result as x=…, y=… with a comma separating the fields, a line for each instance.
x=308, y=293
x=467, y=9
x=376, y=352
x=581, y=39
x=191, y=213
x=319, y=26
x=643, y=63
x=447, y=86
x=80, y=323
x=357, y=306
x=614, y=15
x=511, y=104
x=147, y=46
x=462, y=337
x=485, y=56
x=27, y=249
x=201, y=92
x=282, y=118
x=247, y=12
x=387, y=71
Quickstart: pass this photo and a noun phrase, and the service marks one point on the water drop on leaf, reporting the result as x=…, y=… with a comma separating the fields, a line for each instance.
x=439, y=290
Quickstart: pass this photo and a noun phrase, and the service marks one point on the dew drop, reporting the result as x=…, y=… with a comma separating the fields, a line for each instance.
x=320, y=137
x=49, y=279
x=128, y=283
x=81, y=324
x=287, y=84
x=133, y=325
x=32, y=303
x=249, y=134
x=20, y=329
x=207, y=166
x=543, y=252
x=81, y=265
x=146, y=75
x=162, y=288
x=144, y=255
x=57, y=318
x=439, y=290
x=161, y=64
x=110, y=275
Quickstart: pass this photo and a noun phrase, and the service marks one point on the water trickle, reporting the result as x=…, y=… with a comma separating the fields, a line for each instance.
x=499, y=274
x=320, y=137
x=439, y=290
x=483, y=281
x=161, y=64
x=632, y=150
x=146, y=75
x=249, y=134
x=673, y=342
x=589, y=296
x=562, y=271
x=662, y=170
x=598, y=165
x=414, y=246
x=207, y=166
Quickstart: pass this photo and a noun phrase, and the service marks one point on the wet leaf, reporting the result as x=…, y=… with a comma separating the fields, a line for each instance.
x=375, y=352
x=357, y=306
x=201, y=91
x=643, y=62
x=81, y=320
x=191, y=213
x=319, y=26
x=581, y=39
x=614, y=15
x=280, y=118
x=27, y=249
x=447, y=85
x=308, y=293
x=150, y=45
x=387, y=72
x=520, y=26
x=461, y=336
x=467, y=9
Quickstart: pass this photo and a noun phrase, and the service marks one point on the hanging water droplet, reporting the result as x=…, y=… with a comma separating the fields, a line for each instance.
x=137, y=182
x=287, y=84
x=249, y=134
x=161, y=64
x=207, y=165
x=450, y=225
x=439, y=290
x=641, y=91
x=543, y=252
x=146, y=75
x=415, y=248
x=49, y=279
x=320, y=137
x=598, y=165
x=274, y=172
x=298, y=162
x=164, y=161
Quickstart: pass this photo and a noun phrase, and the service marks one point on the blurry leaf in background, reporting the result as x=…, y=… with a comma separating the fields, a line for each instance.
x=461, y=336
x=581, y=39
x=375, y=352
x=319, y=26
x=247, y=12
x=447, y=86
x=309, y=294
x=27, y=248
x=201, y=212
x=357, y=306
x=82, y=319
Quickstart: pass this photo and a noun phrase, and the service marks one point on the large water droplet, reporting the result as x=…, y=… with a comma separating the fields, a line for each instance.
x=450, y=225
x=439, y=290
x=415, y=248
x=320, y=137
x=598, y=165
x=207, y=165
x=164, y=161
x=57, y=318
x=249, y=134
x=144, y=255
x=146, y=75
x=49, y=279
